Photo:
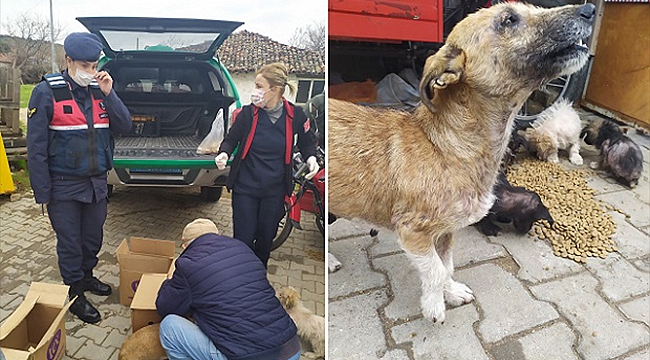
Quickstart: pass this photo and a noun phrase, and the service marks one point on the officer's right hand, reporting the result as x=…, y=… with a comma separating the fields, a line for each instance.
x=221, y=160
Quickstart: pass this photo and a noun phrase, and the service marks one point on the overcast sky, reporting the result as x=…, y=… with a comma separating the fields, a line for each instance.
x=276, y=19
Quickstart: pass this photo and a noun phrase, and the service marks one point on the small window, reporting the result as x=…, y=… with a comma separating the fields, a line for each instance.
x=307, y=89
x=214, y=80
x=303, y=91
x=318, y=87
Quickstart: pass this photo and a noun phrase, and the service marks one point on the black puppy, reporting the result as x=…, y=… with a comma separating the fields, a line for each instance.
x=514, y=203
x=618, y=153
x=517, y=141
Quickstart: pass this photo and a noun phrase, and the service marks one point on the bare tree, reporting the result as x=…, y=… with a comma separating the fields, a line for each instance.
x=311, y=37
x=30, y=37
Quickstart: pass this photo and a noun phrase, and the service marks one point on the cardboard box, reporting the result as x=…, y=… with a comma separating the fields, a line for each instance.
x=143, y=306
x=36, y=330
x=143, y=256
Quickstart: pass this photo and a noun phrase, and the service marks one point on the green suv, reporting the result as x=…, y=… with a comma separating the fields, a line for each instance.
x=166, y=72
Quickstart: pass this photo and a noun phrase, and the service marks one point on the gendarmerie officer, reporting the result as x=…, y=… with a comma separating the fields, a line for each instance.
x=71, y=119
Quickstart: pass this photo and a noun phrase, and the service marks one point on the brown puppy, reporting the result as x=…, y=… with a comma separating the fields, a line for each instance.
x=311, y=327
x=143, y=344
x=429, y=173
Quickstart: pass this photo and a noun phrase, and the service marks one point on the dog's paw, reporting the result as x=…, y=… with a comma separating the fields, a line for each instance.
x=433, y=306
x=488, y=228
x=457, y=294
x=594, y=165
x=333, y=263
x=576, y=159
x=553, y=159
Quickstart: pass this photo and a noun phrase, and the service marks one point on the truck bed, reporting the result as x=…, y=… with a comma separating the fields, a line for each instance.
x=162, y=147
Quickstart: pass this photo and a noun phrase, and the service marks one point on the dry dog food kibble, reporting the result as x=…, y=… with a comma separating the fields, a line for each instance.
x=582, y=228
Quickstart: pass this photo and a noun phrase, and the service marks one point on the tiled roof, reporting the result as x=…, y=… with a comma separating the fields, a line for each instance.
x=246, y=51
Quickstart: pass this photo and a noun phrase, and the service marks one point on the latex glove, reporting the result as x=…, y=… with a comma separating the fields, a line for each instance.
x=313, y=167
x=221, y=160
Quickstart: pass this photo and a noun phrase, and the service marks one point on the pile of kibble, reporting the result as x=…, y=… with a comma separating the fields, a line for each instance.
x=582, y=228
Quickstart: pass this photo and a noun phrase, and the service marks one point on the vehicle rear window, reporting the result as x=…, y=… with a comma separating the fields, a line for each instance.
x=164, y=41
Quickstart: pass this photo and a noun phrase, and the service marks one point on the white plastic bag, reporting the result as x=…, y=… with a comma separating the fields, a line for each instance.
x=211, y=143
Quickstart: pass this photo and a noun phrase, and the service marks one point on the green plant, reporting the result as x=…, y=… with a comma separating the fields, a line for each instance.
x=20, y=175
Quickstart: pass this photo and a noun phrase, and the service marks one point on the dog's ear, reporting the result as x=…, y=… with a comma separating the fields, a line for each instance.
x=441, y=69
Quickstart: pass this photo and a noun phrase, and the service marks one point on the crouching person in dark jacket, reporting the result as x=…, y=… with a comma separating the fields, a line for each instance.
x=223, y=285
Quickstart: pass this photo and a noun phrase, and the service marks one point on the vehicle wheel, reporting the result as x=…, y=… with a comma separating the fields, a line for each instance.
x=110, y=190
x=320, y=223
x=565, y=87
x=211, y=193
x=284, y=229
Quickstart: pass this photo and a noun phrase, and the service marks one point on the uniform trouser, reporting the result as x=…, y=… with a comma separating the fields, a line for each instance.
x=256, y=219
x=79, y=229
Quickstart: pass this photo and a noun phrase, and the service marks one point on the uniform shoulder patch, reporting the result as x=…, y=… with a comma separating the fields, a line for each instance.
x=31, y=112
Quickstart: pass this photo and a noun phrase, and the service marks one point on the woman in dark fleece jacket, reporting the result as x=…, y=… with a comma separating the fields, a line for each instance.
x=223, y=285
x=260, y=175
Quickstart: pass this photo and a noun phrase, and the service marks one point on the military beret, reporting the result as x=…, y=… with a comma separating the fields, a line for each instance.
x=83, y=46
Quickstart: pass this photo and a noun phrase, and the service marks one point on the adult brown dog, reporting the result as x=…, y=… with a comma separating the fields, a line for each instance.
x=143, y=344
x=429, y=173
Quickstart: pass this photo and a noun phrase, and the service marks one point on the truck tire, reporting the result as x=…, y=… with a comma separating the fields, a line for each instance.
x=284, y=229
x=211, y=193
x=568, y=87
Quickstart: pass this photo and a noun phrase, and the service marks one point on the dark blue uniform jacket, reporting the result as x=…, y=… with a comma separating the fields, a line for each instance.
x=41, y=147
x=224, y=284
x=241, y=128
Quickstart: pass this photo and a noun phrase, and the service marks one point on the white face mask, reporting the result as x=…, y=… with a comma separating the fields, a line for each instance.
x=82, y=78
x=257, y=98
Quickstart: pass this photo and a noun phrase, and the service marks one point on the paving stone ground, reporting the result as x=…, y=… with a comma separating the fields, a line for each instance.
x=28, y=253
x=529, y=304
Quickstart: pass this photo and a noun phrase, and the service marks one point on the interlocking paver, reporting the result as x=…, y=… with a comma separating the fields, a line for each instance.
x=354, y=327
x=535, y=258
x=386, y=242
x=398, y=354
x=356, y=275
x=553, y=342
x=641, y=355
x=452, y=340
x=91, y=351
x=631, y=242
x=28, y=247
x=630, y=204
x=507, y=308
x=638, y=309
x=600, y=325
x=609, y=272
x=406, y=300
x=470, y=247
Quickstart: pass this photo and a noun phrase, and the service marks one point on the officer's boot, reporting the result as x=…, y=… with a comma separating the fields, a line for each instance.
x=92, y=284
x=81, y=307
